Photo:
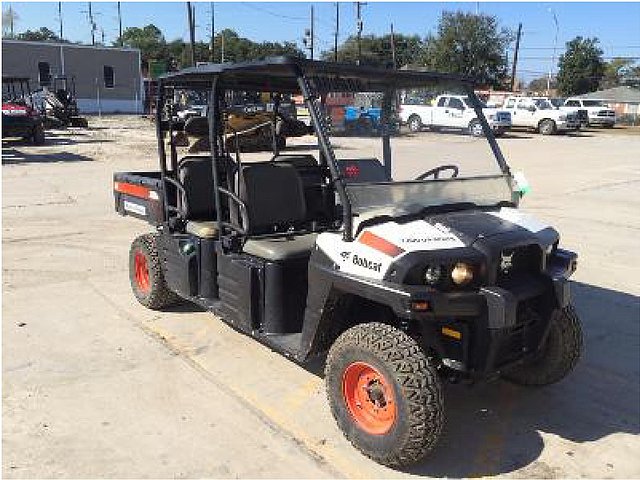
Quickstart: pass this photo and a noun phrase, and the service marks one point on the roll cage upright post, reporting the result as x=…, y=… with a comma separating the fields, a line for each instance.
x=488, y=133
x=212, y=113
x=309, y=99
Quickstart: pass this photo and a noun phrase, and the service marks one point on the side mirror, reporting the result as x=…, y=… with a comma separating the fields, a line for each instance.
x=521, y=185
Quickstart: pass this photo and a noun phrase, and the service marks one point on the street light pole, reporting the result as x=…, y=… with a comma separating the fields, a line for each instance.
x=555, y=45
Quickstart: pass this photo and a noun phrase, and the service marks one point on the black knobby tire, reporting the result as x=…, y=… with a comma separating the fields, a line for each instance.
x=547, y=127
x=38, y=136
x=558, y=356
x=415, y=123
x=417, y=391
x=475, y=128
x=157, y=294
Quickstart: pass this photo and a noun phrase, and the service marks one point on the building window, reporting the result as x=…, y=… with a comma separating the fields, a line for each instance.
x=44, y=74
x=108, y=77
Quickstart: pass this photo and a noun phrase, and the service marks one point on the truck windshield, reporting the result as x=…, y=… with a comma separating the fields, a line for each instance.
x=441, y=162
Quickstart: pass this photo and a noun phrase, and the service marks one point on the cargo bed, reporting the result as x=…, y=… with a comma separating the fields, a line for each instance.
x=139, y=194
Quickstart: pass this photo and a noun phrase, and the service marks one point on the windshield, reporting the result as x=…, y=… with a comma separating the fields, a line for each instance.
x=436, y=162
x=593, y=103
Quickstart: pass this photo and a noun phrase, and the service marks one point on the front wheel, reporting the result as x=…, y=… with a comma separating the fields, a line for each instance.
x=147, y=276
x=475, y=128
x=547, y=127
x=384, y=393
x=38, y=136
x=415, y=123
x=557, y=357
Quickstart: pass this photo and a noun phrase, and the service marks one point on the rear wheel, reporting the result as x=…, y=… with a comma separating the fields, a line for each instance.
x=415, y=123
x=558, y=356
x=384, y=394
x=475, y=128
x=38, y=136
x=146, y=275
x=547, y=127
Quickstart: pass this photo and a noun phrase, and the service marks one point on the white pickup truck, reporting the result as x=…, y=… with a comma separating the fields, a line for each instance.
x=454, y=112
x=540, y=114
x=599, y=113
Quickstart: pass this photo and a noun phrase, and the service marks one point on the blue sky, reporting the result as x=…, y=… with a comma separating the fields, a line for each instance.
x=617, y=25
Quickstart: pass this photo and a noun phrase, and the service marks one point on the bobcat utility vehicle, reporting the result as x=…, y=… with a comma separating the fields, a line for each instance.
x=403, y=275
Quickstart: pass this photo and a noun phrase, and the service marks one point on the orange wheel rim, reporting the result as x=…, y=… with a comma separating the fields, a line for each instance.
x=141, y=271
x=369, y=398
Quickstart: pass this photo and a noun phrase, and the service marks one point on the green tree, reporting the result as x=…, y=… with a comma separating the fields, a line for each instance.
x=376, y=51
x=581, y=67
x=149, y=40
x=540, y=84
x=469, y=44
x=43, y=34
x=615, y=72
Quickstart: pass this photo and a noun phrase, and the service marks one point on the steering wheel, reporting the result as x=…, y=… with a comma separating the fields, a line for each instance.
x=436, y=172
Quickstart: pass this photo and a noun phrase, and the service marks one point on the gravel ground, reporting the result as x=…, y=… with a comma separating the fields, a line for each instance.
x=94, y=385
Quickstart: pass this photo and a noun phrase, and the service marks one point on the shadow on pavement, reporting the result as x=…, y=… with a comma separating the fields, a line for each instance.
x=494, y=428
x=11, y=156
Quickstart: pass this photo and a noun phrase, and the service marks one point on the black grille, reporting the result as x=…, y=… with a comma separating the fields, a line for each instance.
x=514, y=262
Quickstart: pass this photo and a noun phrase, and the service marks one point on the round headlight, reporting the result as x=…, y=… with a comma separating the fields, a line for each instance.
x=433, y=274
x=462, y=273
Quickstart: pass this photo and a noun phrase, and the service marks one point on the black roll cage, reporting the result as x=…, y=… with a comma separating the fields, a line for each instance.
x=11, y=82
x=292, y=75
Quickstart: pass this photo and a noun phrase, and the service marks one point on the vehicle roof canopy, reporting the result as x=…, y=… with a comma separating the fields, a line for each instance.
x=279, y=74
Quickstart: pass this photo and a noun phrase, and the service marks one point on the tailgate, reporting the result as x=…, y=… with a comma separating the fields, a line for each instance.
x=139, y=194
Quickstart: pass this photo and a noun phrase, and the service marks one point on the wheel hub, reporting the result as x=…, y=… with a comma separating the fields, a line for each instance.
x=369, y=398
x=141, y=271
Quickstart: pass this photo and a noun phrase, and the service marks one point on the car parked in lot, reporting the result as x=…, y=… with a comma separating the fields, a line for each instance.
x=539, y=114
x=599, y=113
x=453, y=112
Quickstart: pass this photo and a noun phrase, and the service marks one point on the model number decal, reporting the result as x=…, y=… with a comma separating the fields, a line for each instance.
x=363, y=262
x=429, y=239
x=135, y=208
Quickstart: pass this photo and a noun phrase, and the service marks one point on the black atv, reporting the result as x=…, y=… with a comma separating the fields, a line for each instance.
x=402, y=279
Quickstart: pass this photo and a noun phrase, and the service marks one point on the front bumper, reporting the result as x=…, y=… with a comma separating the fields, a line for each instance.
x=17, y=126
x=567, y=125
x=602, y=120
x=495, y=325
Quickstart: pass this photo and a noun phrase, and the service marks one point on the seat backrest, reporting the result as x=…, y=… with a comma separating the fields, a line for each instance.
x=196, y=177
x=274, y=196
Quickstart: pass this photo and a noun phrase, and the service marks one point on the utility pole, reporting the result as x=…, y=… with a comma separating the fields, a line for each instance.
x=11, y=20
x=309, y=36
x=60, y=17
x=359, y=30
x=102, y=33
x=213, y=34
x=192, y=33
x=515, y=57
x=222, y=46
x=555, y=44
x=120, y=23
x=93, y=26
x=337, y=33
x=393, y=48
